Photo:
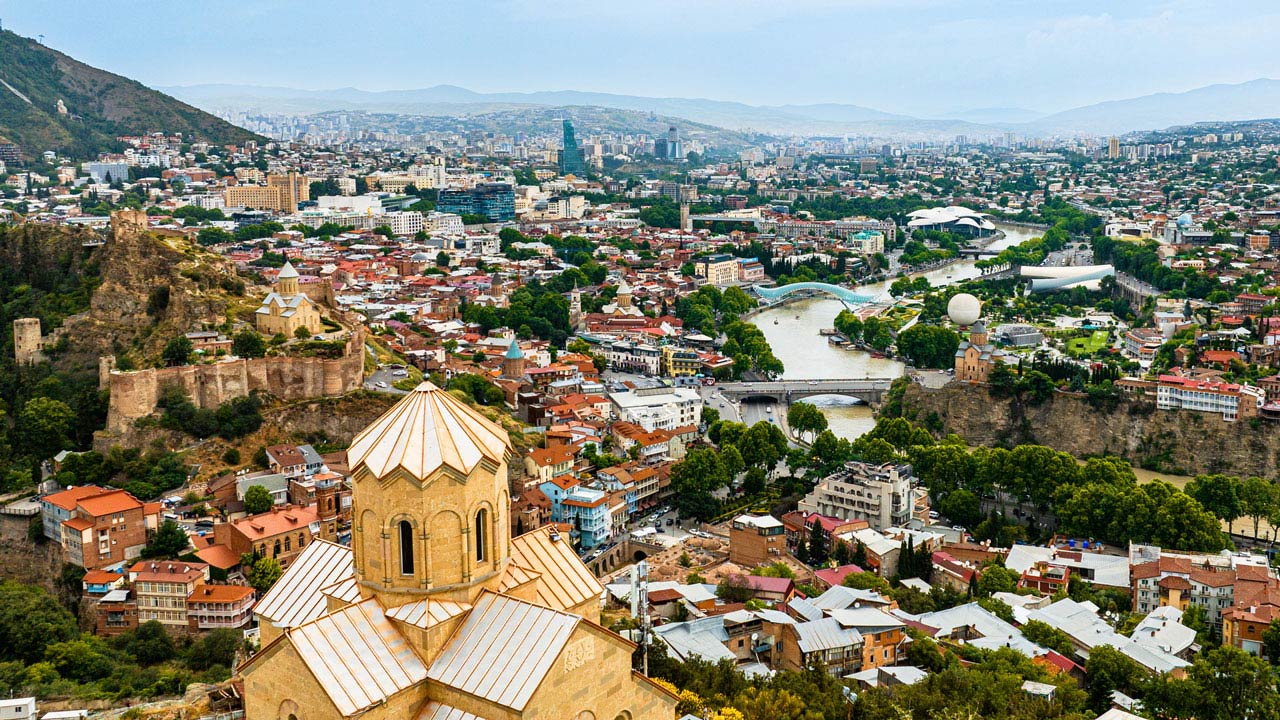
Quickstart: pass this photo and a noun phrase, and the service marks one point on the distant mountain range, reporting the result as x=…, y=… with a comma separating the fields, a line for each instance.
x=97, y=106
x=1245, y=101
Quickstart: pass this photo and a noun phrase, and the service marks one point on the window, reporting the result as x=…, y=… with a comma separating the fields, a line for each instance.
x=406, y=548
x=276, y=551
x=302, y=541
x=481, y=518
x=288, y=543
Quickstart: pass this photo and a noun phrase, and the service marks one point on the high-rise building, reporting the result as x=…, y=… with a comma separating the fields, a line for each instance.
x=669, y=147
x=1113, y=148
x=571, y=156
x=495, y=201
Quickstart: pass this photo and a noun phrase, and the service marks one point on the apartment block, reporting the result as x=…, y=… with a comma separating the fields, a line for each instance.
x=884, y=495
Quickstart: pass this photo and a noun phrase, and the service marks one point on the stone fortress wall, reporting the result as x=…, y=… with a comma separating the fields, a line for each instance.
x=134, y=394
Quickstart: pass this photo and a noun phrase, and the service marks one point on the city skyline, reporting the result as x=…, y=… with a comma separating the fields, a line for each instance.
x=923, y=57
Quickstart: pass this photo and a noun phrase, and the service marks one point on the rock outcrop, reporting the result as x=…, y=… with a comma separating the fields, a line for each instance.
x=1175, y=442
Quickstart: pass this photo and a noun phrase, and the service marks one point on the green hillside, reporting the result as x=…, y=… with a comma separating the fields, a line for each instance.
x=100, y=105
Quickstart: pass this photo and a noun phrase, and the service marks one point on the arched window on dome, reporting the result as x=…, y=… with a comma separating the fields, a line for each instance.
x=406, y=548
x=482, y=536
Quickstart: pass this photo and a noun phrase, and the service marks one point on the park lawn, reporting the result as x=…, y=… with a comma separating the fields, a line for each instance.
x=1097, y=340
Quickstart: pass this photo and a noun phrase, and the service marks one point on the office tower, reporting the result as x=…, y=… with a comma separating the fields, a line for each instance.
x=571, y=156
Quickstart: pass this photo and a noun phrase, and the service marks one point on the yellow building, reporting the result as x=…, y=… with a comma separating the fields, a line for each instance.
x=679, y=362
x=282, y=193
x=976, y=356
x=287, y=308
x=437, y=613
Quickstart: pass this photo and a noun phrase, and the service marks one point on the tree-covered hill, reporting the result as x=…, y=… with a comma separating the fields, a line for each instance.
x=100, y=106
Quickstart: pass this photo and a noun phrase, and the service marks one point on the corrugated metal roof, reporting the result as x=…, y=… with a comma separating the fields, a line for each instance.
x=825, y=634
x=435, y=711
x=296, y=597
x=427, y=613
x=565, y=581
x=357, y=656
x=427, y=429
x=503, y=650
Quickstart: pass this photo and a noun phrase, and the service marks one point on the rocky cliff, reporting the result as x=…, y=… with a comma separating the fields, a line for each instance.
x=1174, y=442
x=152, y=286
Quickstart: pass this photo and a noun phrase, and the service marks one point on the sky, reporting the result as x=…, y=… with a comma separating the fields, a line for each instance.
x=921, y=57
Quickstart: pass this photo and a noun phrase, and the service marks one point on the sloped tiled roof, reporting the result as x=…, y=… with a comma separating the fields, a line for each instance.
x=503, y=650
x=296, y=597
x=427, y=429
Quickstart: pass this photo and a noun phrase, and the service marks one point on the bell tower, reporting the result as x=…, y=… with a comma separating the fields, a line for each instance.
x=429, y=501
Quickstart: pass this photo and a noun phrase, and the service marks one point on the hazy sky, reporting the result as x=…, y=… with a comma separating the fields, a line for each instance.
x=913, y=56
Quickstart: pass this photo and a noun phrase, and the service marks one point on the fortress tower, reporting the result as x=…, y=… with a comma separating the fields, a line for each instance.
x=27, y=343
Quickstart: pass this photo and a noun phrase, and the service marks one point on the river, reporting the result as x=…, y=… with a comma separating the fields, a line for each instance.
x=806, y=354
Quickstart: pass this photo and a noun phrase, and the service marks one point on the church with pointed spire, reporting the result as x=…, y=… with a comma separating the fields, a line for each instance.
x=286, y=308
x=435, y=612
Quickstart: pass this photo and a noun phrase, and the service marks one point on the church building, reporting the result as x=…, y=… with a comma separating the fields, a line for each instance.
x=287, y=308
x=976, y=356
x=435, y=612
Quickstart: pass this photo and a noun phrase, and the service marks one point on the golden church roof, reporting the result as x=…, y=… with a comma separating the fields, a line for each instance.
x=563, y=582
x=428, y=429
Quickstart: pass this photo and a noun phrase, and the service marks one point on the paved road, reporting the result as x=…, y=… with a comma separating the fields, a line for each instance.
x=388, y=379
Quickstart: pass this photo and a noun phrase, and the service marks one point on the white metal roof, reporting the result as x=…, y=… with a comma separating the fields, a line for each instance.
x=297, y=596
x=435, y=711
x=357, y=656
x=503, y=650
x=428, y=429
x=427, y=613
x=825, y=634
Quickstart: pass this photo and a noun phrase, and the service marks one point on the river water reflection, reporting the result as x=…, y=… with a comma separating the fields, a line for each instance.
x=792, y=331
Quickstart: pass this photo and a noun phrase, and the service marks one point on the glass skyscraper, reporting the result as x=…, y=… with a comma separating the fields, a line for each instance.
x=571, y=156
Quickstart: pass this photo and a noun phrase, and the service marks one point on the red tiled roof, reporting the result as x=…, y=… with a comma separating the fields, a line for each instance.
x=107, y=503
x=276, y=522
x=219, y=556
x=219, y=593
x=68, y=498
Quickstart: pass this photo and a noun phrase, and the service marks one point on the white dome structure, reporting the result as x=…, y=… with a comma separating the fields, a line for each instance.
x=953, y=218
x=964, y=309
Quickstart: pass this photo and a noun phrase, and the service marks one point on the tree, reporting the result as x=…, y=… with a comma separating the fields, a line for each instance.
x=1002, y=380
x=30, y=620
x=263, y=574
x=1108, y=670
x=302, y=333
x=149, y=643
x=1257, y=500
x=806, y=418
x=1271, y=642
x=962, y=507
x=929, y=346
x=169, y=541
x=755, y=481
x=257, y=499
x=213, y=236
x=693, y=479
x=248, y=344
x=734, y=589
x=866, y=581
x=45, y=426
x=177, y=351
x=819, y=552
x=996, y=578
x=219, y=647
x=1045, y=635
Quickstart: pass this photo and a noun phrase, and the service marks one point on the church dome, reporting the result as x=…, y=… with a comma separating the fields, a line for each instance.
x=426, y=430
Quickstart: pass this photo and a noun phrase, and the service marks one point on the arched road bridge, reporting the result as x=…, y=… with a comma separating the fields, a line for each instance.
x=843, y=294
x=869, y=390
